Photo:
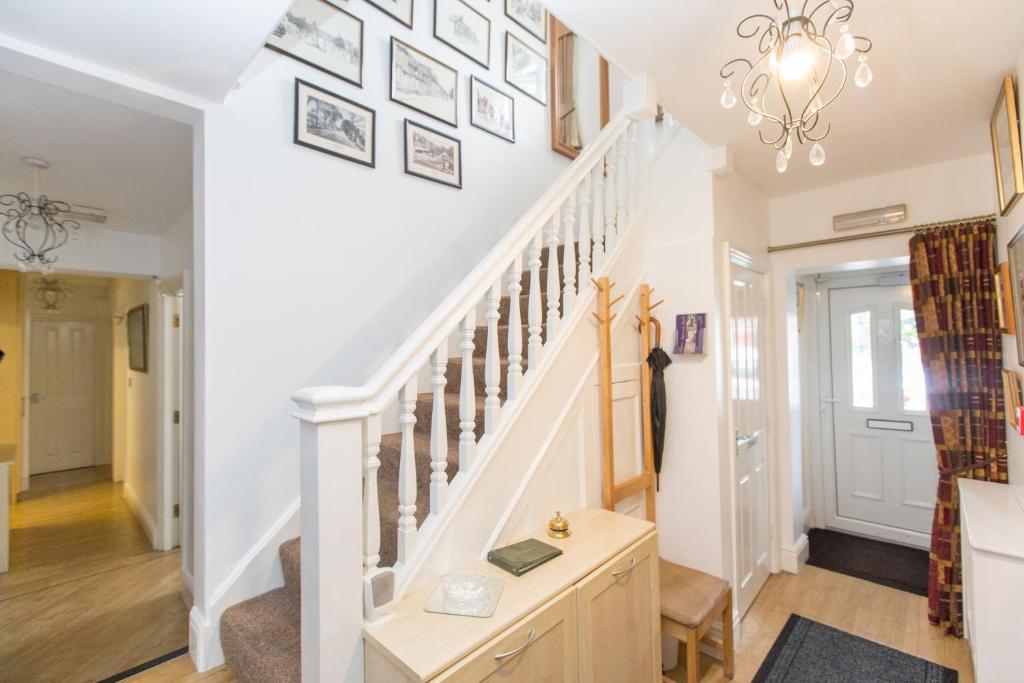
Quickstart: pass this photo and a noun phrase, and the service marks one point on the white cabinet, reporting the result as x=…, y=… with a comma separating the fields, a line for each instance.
x=992, y=542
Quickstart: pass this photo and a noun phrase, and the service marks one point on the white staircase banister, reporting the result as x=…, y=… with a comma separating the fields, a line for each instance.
x=327, y=403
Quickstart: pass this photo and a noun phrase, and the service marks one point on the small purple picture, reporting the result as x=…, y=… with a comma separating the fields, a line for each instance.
x=690, y=334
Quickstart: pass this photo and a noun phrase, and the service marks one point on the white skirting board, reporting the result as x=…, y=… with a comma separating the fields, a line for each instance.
x=141, y=513
x=258, y=572
x=791, y=559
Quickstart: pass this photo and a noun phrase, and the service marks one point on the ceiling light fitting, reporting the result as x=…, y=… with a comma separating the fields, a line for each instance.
x=799, y=70
x=51, y=293
x=36, y=225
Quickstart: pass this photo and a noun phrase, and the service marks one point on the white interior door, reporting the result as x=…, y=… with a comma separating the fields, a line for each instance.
x=63, y=392
x=885, y=475
x=747, y=339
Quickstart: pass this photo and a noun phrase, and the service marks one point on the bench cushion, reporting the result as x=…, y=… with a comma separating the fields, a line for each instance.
x=688, y=596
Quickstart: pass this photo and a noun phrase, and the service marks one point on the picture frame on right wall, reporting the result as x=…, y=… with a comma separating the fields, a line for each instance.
x=531, y=15
x=1006, y=147
x=526, y=70
x=1015, y=255
x=492, y=110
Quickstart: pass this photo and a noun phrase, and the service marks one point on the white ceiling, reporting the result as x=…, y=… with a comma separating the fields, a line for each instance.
x=135, y=165
x=937, y=67
x=196, y=46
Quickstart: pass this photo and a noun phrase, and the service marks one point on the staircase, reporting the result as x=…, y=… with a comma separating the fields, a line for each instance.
x=419, y=455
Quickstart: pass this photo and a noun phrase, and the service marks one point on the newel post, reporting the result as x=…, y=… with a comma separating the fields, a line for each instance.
x=331, y=462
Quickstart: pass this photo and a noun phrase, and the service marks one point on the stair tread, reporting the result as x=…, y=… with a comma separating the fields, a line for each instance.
x=261, y=638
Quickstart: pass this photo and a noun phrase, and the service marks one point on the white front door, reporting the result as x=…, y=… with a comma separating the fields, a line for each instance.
x=746, y=352
x=885, y=474
x=63, y=394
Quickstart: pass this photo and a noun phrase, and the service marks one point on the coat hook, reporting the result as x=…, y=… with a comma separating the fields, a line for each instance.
x=617, y=300
x=653, y=306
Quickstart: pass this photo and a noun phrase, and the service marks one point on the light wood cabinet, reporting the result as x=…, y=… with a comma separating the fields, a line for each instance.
x=591, y=614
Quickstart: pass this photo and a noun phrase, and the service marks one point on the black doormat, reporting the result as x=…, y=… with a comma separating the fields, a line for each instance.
x=809, y=651
x=892, y=565
x=151, y=664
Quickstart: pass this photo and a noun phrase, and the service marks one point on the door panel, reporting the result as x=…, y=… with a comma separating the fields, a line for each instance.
x=884, y=454
x=746, y=351
x=63, y=390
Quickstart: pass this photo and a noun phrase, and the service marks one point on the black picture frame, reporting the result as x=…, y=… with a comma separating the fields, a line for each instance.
x=454, y=122
x=542, y=38
x=1015, y=255
x=385, y=10
x=473, y=82
x=509, y=37
x=359, y=84
x=487, y=64
x=405, y=139
x=137, y=329
x=297, y=137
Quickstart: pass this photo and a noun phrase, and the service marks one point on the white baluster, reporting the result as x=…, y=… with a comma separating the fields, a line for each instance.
x=553, y=286
x=536, y=315
x=620, y=187
x=609, y=202
x=407, y=473
x=371, y=500
x=585, y=283
x=569, y=256
x=634, y=164
x=515, y=329
x=599, y=225
x=438, y=431
x=467, y=394
x=492, y=364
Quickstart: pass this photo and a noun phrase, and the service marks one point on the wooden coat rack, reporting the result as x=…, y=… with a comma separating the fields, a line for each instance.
x=612, y=493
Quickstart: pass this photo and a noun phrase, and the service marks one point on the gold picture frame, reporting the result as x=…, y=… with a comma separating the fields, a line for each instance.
x=1006, y=150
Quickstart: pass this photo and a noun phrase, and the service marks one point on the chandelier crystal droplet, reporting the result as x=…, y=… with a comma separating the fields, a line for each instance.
x=797, y=72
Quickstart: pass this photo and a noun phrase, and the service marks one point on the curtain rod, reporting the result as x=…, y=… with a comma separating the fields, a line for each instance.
x=882, y=233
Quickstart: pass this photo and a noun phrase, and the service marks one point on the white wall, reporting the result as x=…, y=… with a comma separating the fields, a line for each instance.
x=101, y=251
x=936, y=192
x=1007, y=227
x=176, y=245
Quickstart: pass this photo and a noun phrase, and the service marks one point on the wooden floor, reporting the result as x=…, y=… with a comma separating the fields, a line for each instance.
x=884, y=615
x=86, y=596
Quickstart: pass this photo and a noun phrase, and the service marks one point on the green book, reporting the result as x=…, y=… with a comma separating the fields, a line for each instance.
x=519, y=558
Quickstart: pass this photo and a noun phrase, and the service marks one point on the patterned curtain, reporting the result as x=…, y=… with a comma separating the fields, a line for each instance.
x=951, y=272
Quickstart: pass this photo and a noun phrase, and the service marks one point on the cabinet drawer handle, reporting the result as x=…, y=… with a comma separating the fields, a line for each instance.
x=513, y=653
x=631, y=567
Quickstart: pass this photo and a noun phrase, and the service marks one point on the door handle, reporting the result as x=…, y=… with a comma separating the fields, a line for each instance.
x=513, y=653
x=35, y=398
x=631, y=567
x=830, y=400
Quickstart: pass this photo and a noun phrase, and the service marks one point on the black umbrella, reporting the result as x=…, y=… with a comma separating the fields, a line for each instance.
x=658, y=360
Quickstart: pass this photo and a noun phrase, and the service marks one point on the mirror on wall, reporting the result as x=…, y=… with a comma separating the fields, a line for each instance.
x=579, y=91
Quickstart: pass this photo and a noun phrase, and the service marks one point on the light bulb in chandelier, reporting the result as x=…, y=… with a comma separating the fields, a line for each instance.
x=846, y=45
x=797, y=58
x=817, y=155
x=788, y=149
x=781, y=162
x=863, y=76
x=754, y=118
x=728, y=96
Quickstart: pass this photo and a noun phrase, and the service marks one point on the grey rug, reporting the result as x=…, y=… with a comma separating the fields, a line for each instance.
x=809, y=651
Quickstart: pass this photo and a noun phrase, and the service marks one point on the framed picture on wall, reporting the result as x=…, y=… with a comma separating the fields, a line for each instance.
x=1006, y=149
x=690, y=334
x=1015, y=253
x=462, y=28
x=424, y=84
x=138, y=338
x=526, y=69
x=432, y=155
x=531, y=15
x=331, y=124
x=399, y=9
x=324, y=37
x=492, y=110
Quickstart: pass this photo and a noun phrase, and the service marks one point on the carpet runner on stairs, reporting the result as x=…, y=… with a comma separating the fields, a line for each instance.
x=260, y=637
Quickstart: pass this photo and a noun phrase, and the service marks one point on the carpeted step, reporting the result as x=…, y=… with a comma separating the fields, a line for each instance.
x=261, y=640
x=290, y=552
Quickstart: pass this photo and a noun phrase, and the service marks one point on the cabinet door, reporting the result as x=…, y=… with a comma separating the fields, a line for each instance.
x=540, y=649
x=620, y=618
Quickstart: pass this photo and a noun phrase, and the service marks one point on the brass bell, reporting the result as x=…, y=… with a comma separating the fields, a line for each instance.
x=558, y=527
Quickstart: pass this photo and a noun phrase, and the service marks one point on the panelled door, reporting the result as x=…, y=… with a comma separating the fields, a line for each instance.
x=62, y=391
x=884, y=452
x=746, y=353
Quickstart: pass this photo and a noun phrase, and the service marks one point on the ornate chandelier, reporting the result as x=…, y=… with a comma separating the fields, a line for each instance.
x=799, y=70
x=51, y=293
x=34, y=225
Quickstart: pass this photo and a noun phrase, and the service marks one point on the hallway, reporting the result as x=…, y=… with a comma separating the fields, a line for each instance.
x=86, y=596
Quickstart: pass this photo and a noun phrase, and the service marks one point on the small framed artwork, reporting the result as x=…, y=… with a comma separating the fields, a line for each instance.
x=138, y=338
x=531, y=15
x=422, y=83
x=329, y=123
x=690, y=334
x=1011, y=397
x=432, y=155
x=1015, y=252
x=462, y=28
x=526, y=69
x=323, y=36
x=1006, y=150
x=1007, y=316
x=399, y=9
x=492, y=110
